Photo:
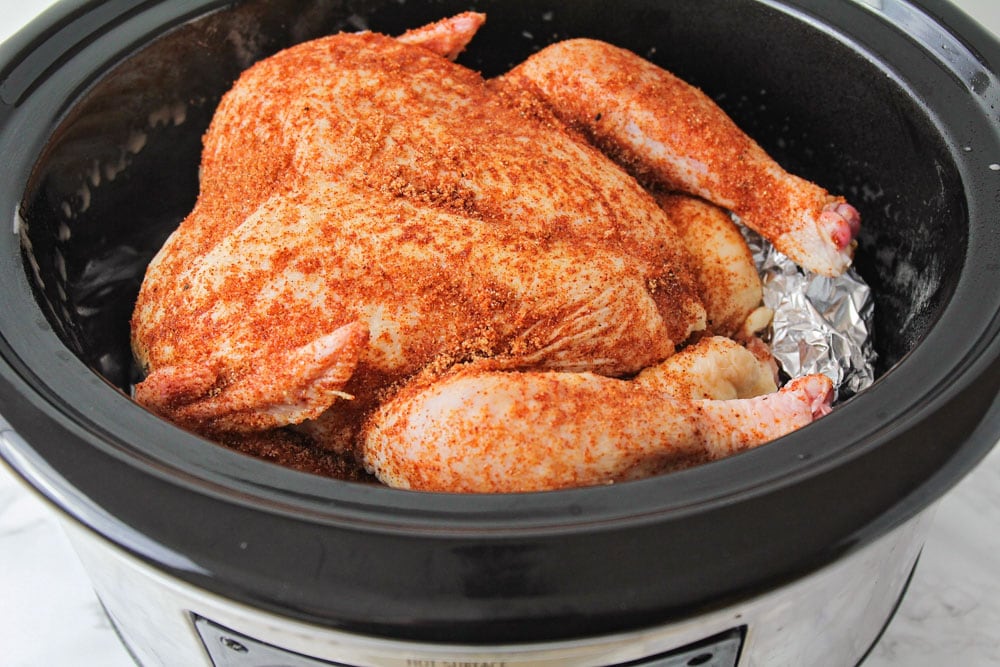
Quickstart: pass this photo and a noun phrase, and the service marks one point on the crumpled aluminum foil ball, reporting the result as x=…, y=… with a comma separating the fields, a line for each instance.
x=821, y=325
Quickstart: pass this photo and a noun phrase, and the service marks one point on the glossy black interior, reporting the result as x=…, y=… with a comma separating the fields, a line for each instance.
x=103, y=107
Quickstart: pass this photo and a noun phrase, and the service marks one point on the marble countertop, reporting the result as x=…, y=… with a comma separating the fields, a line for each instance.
x=950, y=615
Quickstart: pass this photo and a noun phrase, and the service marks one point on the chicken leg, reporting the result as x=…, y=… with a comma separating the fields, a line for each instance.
x=479, y=430
x=666, y=131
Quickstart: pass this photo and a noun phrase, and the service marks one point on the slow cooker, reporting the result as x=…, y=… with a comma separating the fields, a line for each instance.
x=794, y=553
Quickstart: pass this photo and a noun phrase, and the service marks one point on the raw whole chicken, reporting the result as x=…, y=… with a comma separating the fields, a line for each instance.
x=381, y=234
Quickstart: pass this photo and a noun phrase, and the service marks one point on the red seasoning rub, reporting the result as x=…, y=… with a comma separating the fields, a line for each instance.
x=478, y=430
x=371, y=212
x=672, y=135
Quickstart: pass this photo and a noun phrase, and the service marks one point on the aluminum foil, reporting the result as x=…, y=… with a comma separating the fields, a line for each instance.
x=821, y=325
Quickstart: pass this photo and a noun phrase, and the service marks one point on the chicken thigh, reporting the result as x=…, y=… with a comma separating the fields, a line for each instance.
x=371, y=212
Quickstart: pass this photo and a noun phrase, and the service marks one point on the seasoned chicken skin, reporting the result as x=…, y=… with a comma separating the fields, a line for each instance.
x=668, y=132
x=484, y=431
x=713, y=368
x=371, y=212
x=380, y=185
x=728, y=281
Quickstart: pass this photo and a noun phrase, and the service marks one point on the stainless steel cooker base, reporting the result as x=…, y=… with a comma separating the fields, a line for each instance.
x=828, y=618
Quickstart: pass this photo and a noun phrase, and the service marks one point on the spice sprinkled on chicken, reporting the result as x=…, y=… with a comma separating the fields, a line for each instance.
x=375, y=221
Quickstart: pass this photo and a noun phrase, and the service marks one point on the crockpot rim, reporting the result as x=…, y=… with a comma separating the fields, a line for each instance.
x=566, y=498
x=552, y=528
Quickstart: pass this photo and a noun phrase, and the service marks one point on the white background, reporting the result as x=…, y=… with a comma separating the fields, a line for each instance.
x=951, y=615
